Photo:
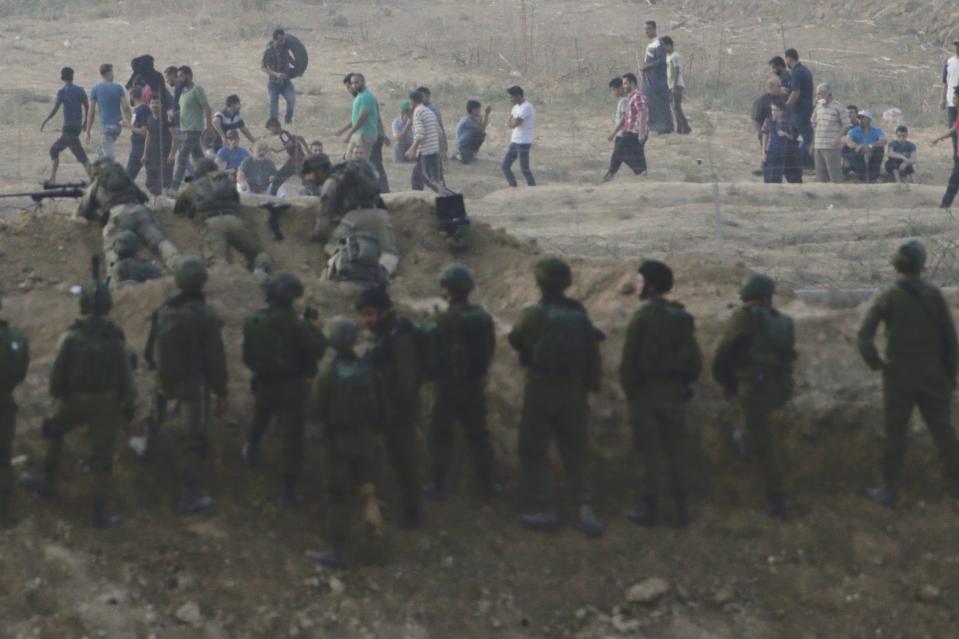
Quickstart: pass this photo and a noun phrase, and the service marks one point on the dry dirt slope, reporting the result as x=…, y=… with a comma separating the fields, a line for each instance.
x=843, y=568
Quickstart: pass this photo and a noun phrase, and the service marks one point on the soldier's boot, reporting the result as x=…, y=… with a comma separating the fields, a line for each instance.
x=546, y=521
x=99, y=517
x=44, y=484
x=682, y=512
x=646, y=513
x=289, y=498
x=193, y=503
x=6, y=516
x=588, y=523
x=410, y=520
x=884, y=496
x=435, y=491
x=777, y=507
x=332, y=559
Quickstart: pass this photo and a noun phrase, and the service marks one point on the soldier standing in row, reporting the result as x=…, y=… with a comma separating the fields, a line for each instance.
x=753, y=363
x=347, y=400
x=282, y=350
x=661, y=360
x=467, y=340
x=93, y=385
x=185, y=347
x=559, y=348
x=14, y=361
x=919, y=369
x=395, y=358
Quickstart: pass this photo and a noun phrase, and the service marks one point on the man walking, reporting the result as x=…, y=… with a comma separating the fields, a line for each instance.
x=521, y=120
x=656, y=83
x=75, y=105
x=828, y=120
x=114, y=111
x=425, y=150
x=195, y=117
x=799, y=104
x=950, y=82
x=364, y=129
x=157, y=147
x=677, y=86
x=953, y=187
x=138, y=132
x=278, y=65
x=630, y=141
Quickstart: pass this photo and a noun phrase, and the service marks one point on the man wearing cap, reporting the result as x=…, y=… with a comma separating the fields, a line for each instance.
x=403, y=132
x=827, y=120
x=950, y=82
x=521, y=120
x=919, y=369
x=753, y=363
x=868, y=144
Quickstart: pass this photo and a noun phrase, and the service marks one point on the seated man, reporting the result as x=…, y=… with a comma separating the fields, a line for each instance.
x=256, y=174
x=471, y=132
x=902, y=155
x=232, y=156
x=403, y=132
x=868, y=144
x=853, y=112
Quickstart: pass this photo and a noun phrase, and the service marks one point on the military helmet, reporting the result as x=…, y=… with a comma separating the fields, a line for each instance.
x=203, y=167
x=374, y=297
x=95, y=299
x=318, y=162
x=191, y=275
x=126, y=244
x=910, y=258
x=458, y=278
x=657, y=275
x=757, y=287
x=341, y=332
x=97, y=166
x=283, y=288
x=553, y=274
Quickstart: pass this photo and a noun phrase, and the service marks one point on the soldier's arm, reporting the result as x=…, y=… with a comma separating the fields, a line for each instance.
x=866, y=338
x=950, y=347
x=215, y=355
x=151, y=339
x=595, y=362
x=628, y=376
x=519, y=335
x=184, y=202
x=311, y=340
x=404, y=359
x=128, y=388
x=490, y=337
x=736, y=336
x=59, y=384
x=319, y=396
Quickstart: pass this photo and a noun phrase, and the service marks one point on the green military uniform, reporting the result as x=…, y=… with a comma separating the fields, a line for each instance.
x=93, y=385
x=14, y=360
x=212, y=198
x=559, y=348
x=919, y=369
x=348, y=186
x=753, y=362
x=660, y=360
x=116, y=201
x=347, y=399
x=129, y=269
x=185, y=346
x=282, y=349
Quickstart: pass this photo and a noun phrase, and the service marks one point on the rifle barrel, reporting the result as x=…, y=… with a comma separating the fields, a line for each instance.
x=38, y=196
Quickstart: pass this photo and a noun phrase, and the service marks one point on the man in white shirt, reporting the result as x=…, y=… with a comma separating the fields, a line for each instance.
x=426, y=148
x=676, y=84
x=950, y=82
x=521, y=119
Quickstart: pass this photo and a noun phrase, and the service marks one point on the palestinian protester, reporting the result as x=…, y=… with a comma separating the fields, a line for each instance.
x=656, y=83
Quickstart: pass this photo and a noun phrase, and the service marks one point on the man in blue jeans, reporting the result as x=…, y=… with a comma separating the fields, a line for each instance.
x=278, y=64
x=110, y=97
x=521, y=120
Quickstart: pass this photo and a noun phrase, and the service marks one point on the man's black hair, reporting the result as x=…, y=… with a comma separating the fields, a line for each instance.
x=348, y=77
x=66, y=74
x=779, y=102
x=185, y=70
x=666, y=40
x=424, y=90
x=416, y=96
x=106, y=68
x=902, y=128
x=792, y=54
x=136, y=93
x=777, y=61
x=170, y=70
x=515, y=90
x=632, y=78
x=278, y=32
x=272, y=123
x=854, y=108
x=472, y=105
x=157, y=97
x=357, y=74
x=651, y=23
x=232, y=99
x=615, y=83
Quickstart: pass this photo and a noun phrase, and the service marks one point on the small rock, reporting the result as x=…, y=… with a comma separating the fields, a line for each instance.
x=929, y=594
x=189, y=613
x=648, y=591
x=723, y=596
x=337, y=587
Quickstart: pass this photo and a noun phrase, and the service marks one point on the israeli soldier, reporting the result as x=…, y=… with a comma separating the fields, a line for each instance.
x=661, y=360
x=185, y=347
x=92, y=384
x=114, y=200
x=346, y=399
x=559, y=348
x=919, y=369
x=753, y=363
x=14, y=361
x=212, y=199
x=130, y=269
x=282, y=350
x=395, y=359
x=467, y=340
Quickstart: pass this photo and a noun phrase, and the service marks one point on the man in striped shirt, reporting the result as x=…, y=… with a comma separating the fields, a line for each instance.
x=828, y=119
x=426, y=147
x=630, y=146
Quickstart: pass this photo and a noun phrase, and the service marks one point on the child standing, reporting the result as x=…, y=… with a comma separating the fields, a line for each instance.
x=778, y=136
x=296, y=150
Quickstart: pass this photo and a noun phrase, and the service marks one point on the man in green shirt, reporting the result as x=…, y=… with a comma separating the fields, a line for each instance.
x=195, y=117
x=365, y=127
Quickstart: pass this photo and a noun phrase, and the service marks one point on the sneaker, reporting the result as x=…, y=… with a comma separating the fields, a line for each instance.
x=885, y=496
x=194, y=505
x=331, y=559
x=588, y=523
x=37, y=483
x=546, y=521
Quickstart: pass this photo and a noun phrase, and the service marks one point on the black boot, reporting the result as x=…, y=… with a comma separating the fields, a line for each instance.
x=6, y=517
x=333, y=559
x=37, y=483
x=777, y=507
x=437, y=490
x=885, y=496
x=545, y=521
x=682, y=513
x=647, y=514
x=288, y=495
x=251, y=455
x=193, y=503
x=99, y=518
x=410, y=520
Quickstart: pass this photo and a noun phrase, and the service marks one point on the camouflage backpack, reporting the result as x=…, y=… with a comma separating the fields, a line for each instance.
x=671, y=348
x=269, y=349
x=463, y=344
x=215, y=192
x=563, y=348
x=354, y=396
x=773, y=342
x=357, y=259
x=131, y=269
x=14, y=357
x=96, y=355
x=177, y=339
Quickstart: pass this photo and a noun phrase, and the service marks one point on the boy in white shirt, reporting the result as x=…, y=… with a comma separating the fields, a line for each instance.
x=521, y=120
x=677, y=87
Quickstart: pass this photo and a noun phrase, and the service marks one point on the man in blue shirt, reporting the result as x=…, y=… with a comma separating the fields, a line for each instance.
x=73, y=99
x=110, y=97
x=868, y=145
x=231, y=156
x=471, y=131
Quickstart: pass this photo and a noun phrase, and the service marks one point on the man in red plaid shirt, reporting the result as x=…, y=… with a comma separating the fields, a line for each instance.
x=630, y=146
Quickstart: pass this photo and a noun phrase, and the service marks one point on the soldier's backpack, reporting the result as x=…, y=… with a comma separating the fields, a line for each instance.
x=14, y=357
x=215, y=192
x=177, y=340
x=120, y=189
x=269, y=349
x=563, y=348
x=131, y=269
x=772, y=346
x=464, y=348
x=358, y=186
x=97, y=351
x=426, y=340
x=672, y=348
x=355, y=401
x=357, y=259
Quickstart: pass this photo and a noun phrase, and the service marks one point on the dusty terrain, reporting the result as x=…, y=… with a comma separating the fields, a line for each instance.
x=842, y=568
